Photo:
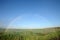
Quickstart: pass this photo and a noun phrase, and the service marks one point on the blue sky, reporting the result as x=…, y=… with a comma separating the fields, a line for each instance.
x=29, y=13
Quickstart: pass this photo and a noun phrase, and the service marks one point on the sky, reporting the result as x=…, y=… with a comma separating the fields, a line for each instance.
x=29, y=13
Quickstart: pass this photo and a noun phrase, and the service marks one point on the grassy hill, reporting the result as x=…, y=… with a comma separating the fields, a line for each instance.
x=30, y=34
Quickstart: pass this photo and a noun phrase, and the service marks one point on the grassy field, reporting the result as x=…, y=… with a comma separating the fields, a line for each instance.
x=30, y=34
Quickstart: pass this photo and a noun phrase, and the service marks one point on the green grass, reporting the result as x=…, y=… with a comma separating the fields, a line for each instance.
x=31, y=34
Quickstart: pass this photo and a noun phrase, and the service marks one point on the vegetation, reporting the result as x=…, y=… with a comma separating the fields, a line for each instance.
x=31, y=34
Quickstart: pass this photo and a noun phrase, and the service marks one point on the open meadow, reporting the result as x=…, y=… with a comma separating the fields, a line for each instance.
x=30, y=34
